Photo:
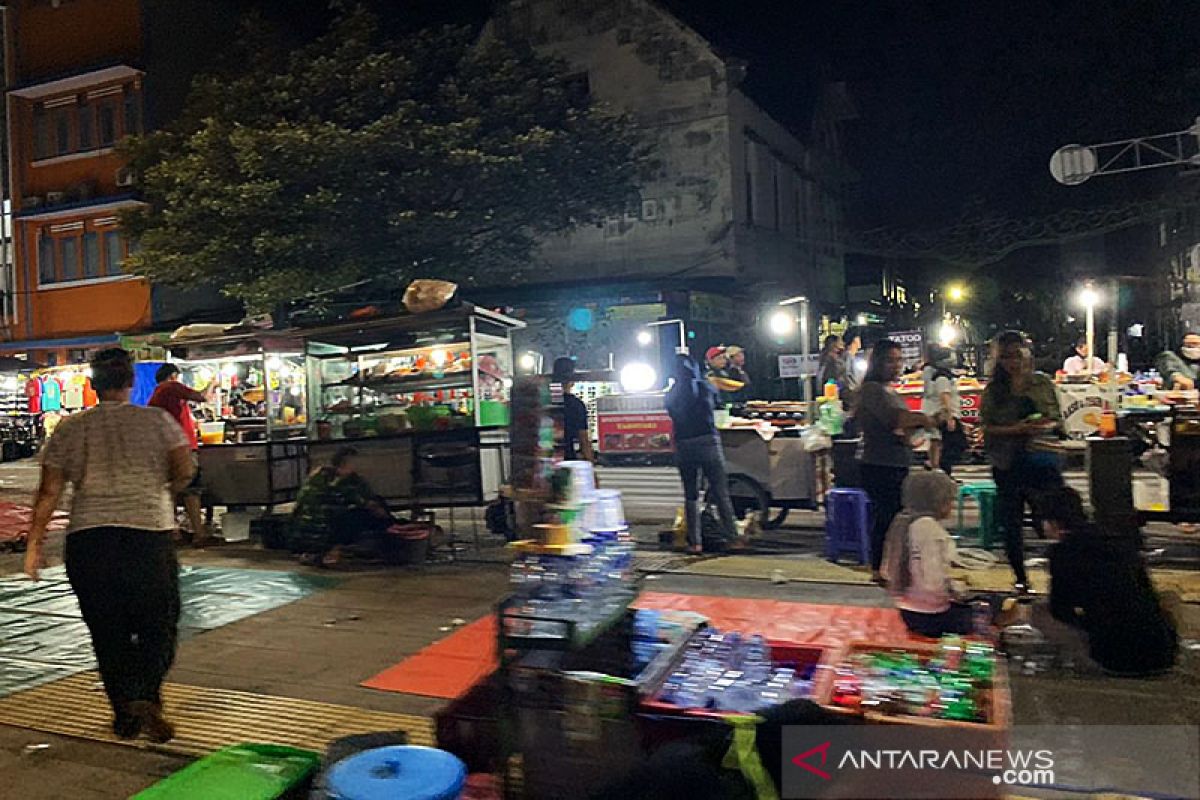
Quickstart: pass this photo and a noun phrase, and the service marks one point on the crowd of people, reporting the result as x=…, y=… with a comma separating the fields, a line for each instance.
x=1102, y=603
x=127, y=466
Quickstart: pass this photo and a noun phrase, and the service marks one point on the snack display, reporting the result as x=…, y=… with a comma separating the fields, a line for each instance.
x=953, y=682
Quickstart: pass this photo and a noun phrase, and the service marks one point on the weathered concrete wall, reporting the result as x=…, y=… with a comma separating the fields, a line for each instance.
x=643, y=62
x=788, y=216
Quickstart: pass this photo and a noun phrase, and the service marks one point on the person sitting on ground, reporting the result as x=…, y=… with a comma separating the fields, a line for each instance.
x=1101, y=598
x=917, y=556
x=335, y=508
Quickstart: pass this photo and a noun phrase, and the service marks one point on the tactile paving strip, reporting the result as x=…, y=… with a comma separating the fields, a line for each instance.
x=205, y=719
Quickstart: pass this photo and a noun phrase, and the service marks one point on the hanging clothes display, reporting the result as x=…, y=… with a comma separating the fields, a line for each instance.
x=51, y=394
x=33, y=393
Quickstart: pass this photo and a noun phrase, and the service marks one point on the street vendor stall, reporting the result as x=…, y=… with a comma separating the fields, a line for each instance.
x=424, y=398
x=252, y=429
x=20, y=420
x=770, y=469
x=970, y=392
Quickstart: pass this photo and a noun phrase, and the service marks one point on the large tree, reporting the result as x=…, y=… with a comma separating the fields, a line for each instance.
x=440, y=154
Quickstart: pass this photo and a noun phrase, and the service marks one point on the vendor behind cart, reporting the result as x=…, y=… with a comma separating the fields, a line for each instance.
x=1181, y=369
x=576, y=441
x=174, y=397
x=1082, y=362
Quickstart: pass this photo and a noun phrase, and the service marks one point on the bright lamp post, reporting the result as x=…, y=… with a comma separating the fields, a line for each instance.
x=782, y=323
x=1089, y=298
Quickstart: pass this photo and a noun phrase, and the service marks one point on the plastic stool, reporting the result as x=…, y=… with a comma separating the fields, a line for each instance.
x=415, y=773
x=984, y=493
x=847, y=524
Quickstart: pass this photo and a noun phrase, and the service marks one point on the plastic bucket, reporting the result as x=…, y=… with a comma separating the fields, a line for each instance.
x=607, y=513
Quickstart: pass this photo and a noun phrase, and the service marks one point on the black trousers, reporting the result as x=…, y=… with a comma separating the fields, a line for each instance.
x=1029, y=475
x=127, y=583
x=884, y=486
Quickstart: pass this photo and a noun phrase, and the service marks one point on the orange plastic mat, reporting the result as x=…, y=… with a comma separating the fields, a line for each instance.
x=448, y=668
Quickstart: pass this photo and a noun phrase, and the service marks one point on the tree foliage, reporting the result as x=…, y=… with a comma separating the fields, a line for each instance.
x=440, y=154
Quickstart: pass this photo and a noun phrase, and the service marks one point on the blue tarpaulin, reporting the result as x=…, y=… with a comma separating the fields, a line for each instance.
x=143, y=381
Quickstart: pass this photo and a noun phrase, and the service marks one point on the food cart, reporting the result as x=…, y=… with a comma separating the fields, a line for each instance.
x=770, y=471
x=970, y=393
x=252, y=429
x=423, y=398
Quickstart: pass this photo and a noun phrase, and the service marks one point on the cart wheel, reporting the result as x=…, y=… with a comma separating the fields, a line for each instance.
x=748, y=497
x=776, y=521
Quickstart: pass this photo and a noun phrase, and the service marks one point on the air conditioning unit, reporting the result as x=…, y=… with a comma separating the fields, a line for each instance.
x=54, y=198
x=125, y=177
x=650, y=210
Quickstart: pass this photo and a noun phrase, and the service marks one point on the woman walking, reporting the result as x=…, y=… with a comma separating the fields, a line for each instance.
x=886, y=423
x=1020, y=407
x=126, y=465
x=690, y=402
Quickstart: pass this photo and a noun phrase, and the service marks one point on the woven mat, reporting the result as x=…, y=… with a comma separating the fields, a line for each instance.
x=206, y=719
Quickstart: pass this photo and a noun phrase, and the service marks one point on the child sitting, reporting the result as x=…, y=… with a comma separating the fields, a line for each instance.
x=917, y=556
x=1101, y=597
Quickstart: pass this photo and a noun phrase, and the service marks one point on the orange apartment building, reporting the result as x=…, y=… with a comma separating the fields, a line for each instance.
x=76, y=85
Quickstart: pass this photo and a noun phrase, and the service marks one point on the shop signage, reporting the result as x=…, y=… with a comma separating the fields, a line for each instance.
x=648, y=432
x=912, y=346
x=714, y=308
x=797, y=366
x=640, y=312
x=1082, y=404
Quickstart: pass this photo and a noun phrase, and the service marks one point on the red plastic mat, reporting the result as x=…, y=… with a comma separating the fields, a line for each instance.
x=450, y=667
x=16, y=519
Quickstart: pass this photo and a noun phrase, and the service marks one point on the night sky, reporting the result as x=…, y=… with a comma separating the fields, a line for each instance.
x=961, y=102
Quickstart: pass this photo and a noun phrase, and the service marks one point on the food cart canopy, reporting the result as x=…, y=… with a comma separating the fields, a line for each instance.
x=400, y=331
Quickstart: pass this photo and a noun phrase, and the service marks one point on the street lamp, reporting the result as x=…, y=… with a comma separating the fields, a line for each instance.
x=1089, y=298
x=644, y=338
x=956, y=294
x=782, y=323
x=682, y=348
x=638, y=377
x=531, y=362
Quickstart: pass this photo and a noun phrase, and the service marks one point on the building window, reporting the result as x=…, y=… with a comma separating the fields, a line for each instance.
x=114, y=249
x=41, y=134
x=107, y=116
x=79, y=254
x=61, y=118
x=47, y=266
x=749, y=196
x=91, y=255
x=101, y=119
x=86, y=126
x=70, y=259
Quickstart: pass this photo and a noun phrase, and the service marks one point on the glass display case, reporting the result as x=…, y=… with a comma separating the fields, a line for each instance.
x=424, y=398
x=253, y=426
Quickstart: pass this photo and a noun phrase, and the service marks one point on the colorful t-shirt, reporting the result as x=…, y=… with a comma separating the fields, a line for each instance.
x=51, y=394
x=73, y=392
x=33, y=392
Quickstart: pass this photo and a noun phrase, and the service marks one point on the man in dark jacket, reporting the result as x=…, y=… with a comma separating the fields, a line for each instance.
x=698, y=450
